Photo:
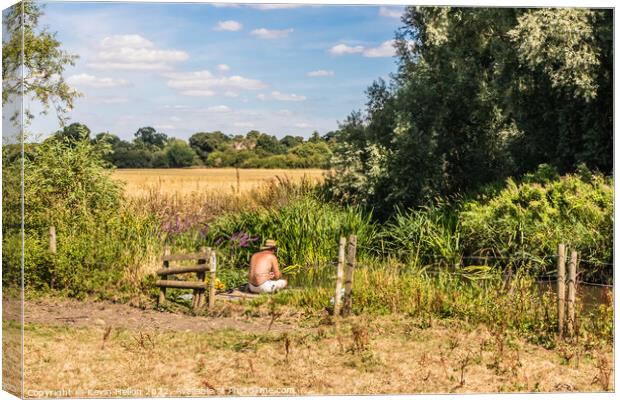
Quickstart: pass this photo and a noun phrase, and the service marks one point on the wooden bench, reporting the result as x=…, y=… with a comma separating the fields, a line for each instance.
x=205, y=262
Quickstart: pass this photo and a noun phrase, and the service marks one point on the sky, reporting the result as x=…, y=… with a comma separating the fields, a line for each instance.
x=187, y=68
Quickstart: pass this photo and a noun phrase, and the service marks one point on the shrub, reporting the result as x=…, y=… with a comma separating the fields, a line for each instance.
x=530, y=219
x=426, y=236
x=101, y=244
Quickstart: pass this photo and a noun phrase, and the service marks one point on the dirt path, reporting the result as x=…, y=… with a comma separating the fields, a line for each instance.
x=88, y=313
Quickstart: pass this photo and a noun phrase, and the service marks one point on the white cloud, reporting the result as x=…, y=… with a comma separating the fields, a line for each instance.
x=198, y=93
x=302, y=125
x=230, y=93
x=229, y=25
x=342, y=48
x=126, y=41
x=224, y=5
x=219, y=109
x=264, y=33
x=164, y=126
x=284, y=112
x=320, y=72
x=243, y=124
x=223, y=67
x=114, y=100
x=386, y=49
x=204, y=81
x=275, y=6
x=390, y=12
x=275, y=95
x=95, y=82
x=134, y=52
x=258, y=6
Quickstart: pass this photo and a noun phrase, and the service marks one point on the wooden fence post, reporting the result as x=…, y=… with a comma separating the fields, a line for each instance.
x=572, y=277
x=52, y=239
x=339, y=274
x=52, y=250
x=213, y=267
x=561, y=287
x=199, y=294
x=162, y=290
x=348, y=282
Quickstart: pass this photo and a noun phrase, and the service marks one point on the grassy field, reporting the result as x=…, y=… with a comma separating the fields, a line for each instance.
x=182, y=181
x=241, y=353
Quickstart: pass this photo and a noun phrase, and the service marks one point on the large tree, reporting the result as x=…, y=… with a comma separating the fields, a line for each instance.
x=481, y=94
x=149, y=137
x=205, y=143
x=42, y=62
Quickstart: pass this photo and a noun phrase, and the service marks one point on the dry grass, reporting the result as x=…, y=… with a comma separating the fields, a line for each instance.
x=385, y=355
x=11, y=344
x=184, y=181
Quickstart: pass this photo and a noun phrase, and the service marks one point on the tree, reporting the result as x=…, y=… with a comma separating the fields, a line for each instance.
x=482, y=94
x=179, y=154
x=315, y=138
x=149, y=137
x=107, y=137
x=74, y=132
x=269, y=144
x=43, y=62
x=291, y=141
x=205, y=143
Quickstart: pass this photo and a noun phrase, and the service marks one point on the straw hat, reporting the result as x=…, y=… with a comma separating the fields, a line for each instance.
x=269, y=244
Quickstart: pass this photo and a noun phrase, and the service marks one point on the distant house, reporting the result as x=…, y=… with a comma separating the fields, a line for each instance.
x=243, y=145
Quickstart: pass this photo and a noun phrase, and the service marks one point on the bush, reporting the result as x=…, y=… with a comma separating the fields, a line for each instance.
x=530, y=219
x=101, y=244
x=424, y=236
x=179, y=154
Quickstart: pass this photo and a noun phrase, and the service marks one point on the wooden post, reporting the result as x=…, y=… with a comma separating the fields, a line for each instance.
x=572, y=277
x=348, y=282
x=212, y=280
x=200, y=293
x=238, y=182
x=52, y=239
x=162, y=290
x=561, y=287
x=339, y=274
x=52, y=250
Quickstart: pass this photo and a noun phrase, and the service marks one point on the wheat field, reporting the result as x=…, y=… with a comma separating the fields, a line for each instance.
x=183, y=181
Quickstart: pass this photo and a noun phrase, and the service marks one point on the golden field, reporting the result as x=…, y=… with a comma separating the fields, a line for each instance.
x=182, y=181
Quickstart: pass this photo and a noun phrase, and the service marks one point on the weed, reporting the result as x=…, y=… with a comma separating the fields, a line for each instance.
x=361, y=340
x=603, y=375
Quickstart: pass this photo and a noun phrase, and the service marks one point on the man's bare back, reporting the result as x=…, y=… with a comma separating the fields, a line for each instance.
x=263, y=267
x=265, y=275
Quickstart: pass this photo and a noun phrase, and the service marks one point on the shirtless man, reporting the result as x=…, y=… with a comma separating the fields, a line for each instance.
x=265, y=276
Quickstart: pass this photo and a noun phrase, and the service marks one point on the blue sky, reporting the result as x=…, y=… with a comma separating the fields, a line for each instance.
x=185, y=68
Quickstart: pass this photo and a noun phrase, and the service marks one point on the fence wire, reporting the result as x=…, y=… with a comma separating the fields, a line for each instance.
x=510, y=259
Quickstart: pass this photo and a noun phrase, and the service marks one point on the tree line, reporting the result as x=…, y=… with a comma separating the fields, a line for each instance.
x=481, y=94
x=152, y=149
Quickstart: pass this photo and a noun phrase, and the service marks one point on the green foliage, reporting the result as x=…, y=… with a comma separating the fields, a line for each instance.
x=481, y=94
x=101, y=244
x=204, y=143
x=179, y=154
x=43, y=59
x=424, y=237
x=530, y=220
x=148, y=137
x=151, y=149
x=74, y=132
x=307, y=231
